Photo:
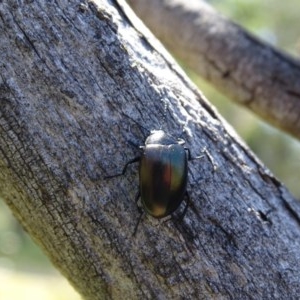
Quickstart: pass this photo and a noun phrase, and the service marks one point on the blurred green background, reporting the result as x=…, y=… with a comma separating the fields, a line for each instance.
x=276, y=22
x=25, y=273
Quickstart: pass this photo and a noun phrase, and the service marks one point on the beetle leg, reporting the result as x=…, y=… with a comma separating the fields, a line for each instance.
x=136, y=199
x=187, y=197
x=212, y=161
x=138, y=222
x=189, y=157
x=138, y=195
x=134, y=160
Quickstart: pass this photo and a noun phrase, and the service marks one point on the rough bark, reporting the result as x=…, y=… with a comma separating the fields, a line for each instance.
x=245, y=69
x=79, y=88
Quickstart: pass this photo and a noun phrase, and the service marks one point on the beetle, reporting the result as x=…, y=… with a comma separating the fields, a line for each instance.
x=163, y=173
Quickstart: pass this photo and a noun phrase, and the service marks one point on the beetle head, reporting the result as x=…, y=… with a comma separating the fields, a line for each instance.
x=161, y=138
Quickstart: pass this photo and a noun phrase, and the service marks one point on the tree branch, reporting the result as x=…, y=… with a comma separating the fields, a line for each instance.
x=245, y=69
x=79, y=87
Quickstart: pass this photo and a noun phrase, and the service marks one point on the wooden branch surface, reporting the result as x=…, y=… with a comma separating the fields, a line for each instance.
x=245, y=69
x=79, y=87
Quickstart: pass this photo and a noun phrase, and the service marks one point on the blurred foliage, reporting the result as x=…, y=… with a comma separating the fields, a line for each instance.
x=272, y=20
x=16, y=249
x=34, y=286
x=25, y=272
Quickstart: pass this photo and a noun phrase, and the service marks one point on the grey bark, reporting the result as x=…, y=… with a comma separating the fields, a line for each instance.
x=245, y=69
x=79, y=87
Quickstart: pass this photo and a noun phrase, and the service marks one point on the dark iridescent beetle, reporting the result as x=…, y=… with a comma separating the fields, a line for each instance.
x=163, y=174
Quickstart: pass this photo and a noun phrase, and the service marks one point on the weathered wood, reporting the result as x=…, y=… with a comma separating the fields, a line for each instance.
x=254, y=74
x=79, y=87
